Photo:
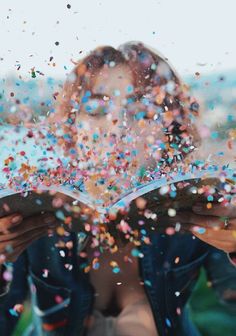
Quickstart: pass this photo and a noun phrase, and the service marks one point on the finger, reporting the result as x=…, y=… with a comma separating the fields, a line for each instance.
x=227, y=246
x=217, y=209
x=38, y=220
x=12, y=248
x=217, y=234
x=24, y=238
x=12, y=220
x=32, y=222
x=12, y=257
x=217, y=225
x=18, y=234
x=27, y=226
x=188, y=217
x=31, y=238
x=224, y=245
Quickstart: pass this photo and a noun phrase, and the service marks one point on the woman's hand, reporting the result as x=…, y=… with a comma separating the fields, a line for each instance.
x=215, y=226
x=17, y=233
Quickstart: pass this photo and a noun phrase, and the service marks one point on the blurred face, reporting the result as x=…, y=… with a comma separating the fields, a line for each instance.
x=103, y=107
x=118, y=126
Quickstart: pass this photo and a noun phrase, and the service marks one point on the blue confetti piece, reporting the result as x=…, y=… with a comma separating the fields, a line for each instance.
x=168, y=323
x=13, y=312
x=38, y=201
x=201, y=230
x=135, y=252
x=130, y=89
x=214, y=135
x=148, y=283
x=210, y=198
x=60, y=215
x=88, y=94
x=173, y=194
x=230, y=118
x=84, y=99
x=95, y=136
x=116, y=93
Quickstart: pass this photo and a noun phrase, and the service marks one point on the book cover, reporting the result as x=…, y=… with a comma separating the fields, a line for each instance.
x=36, y=176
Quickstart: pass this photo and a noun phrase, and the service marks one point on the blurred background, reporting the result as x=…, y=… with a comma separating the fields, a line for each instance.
x=40, y=41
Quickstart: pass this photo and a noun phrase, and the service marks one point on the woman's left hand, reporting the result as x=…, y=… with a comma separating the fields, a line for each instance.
x=215, y=226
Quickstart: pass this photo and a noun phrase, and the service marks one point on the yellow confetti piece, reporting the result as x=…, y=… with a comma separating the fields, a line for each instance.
x=87, y=269
x=141, y=123
x=95, y=260
x=114, y=249
x=76, y=209
x=232, y=134
x=113, y=263
x=60, y=231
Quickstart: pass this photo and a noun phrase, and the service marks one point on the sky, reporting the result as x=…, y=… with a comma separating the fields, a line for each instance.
x=195, y=35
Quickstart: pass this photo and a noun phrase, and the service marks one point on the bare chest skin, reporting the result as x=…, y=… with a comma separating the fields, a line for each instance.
x=120, y=289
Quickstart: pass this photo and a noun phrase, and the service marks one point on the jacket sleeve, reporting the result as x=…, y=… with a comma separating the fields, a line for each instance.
x=221, y=274
x=13, y=292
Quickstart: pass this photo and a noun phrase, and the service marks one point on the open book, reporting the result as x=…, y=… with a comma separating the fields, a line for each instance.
x=36, y=176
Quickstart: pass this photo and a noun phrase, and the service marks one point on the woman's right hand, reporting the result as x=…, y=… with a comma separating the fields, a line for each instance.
x=17, y=233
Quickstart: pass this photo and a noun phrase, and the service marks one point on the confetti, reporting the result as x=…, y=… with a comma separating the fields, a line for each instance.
x=106, y=164
x=171, y=212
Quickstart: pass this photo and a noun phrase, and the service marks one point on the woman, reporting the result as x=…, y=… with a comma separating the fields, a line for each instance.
x=115, y=107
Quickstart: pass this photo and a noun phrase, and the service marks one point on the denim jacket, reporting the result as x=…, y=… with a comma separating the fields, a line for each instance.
x=62, y=296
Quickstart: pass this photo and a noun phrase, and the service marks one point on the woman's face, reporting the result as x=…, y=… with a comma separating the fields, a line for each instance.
x=118, y=128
